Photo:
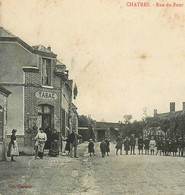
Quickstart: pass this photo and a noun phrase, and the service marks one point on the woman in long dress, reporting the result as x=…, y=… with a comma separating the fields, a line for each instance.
x=54, y=150
x=41, y=138
x=13, y=146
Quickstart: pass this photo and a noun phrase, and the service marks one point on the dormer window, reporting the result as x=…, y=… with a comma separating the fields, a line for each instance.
x=46, y=72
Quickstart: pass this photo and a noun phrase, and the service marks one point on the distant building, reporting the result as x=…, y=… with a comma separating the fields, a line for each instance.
x=104, y=130
x=172, y=113
x=41, y=92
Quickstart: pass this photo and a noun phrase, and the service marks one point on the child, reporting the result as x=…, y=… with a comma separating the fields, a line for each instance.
x=140, y=144
x=67, y=146
x=103, y=148
x=91, y=147
x=152, y=145
x=127, y=145
x=146, y=143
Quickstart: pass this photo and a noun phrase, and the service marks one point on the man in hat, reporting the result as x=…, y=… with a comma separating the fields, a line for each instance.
x=73, y=140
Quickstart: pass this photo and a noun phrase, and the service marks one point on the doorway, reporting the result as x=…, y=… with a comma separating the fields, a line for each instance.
x=46, y=115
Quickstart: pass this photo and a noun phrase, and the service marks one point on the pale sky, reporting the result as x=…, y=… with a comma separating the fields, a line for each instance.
x=122, y=58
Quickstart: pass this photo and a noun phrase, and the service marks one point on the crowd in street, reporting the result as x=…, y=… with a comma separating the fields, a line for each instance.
x=40, y=142
x=146, y=146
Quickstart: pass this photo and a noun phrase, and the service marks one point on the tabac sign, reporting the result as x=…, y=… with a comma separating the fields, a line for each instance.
x=46, y=95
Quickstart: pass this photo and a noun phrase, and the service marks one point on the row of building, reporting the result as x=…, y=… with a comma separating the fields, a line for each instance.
x=35, y=91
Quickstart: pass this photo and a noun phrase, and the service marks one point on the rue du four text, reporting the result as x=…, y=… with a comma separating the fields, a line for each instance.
x=169, y=4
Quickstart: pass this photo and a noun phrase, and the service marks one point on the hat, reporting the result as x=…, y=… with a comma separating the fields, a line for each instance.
x=14, y=130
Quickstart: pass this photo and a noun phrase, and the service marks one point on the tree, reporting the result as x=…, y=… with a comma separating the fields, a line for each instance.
x=87, y=121
x=127, y=118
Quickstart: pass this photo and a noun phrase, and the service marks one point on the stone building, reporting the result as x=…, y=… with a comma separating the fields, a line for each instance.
x=41, y=92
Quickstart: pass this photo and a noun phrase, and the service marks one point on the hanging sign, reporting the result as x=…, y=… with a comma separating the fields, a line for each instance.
x=46, y=95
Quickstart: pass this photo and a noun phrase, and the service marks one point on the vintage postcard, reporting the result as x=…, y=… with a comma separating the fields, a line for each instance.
x=92, y=97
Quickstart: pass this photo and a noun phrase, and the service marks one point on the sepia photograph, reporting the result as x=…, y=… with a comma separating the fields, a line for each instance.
x=92, y=97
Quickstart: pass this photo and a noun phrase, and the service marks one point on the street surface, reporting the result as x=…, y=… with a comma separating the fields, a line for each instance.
x=114, y=174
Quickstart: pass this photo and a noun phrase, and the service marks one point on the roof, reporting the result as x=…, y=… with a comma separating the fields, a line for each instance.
x=6, y=36
x=5, y=33
x=169, y=114
x=42, y=48
x=107, y=125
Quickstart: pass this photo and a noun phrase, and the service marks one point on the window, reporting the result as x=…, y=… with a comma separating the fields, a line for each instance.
x=46, y=72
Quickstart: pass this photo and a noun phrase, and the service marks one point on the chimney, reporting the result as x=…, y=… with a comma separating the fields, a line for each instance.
x=49, y=48
x=155, y=112
x=183, y=106
x=172, y=106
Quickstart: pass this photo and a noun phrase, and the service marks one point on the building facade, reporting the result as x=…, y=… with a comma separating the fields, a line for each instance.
x=41, y=92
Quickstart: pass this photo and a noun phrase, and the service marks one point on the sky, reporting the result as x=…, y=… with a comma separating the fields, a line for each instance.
x=123, y=59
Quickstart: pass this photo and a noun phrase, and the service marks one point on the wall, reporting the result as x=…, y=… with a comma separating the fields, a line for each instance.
x=12, y=58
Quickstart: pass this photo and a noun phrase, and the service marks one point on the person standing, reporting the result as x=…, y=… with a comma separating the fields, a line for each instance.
x=54, y=150
x=73, y=140
x=146, y=143
x=132, y=144
x=91, y=147
x=180, y=146
x=108, y=146
x=119, y=145
x=13, y=146
x=140, y=144
x=126, y=145
x=152, y=145
x=174, y=147
x=41, y=138
x=103, y=148
x=67, y=146
x=159, y=146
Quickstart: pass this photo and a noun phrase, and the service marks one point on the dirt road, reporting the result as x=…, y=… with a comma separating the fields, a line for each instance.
x=114, y=174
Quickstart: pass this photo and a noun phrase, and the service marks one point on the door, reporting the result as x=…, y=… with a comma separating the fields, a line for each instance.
x=46, y=113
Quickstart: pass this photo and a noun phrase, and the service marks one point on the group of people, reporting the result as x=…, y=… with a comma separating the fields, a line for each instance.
x=151, y=146
x=40, y=141
x=104, y=147
x=145, y=146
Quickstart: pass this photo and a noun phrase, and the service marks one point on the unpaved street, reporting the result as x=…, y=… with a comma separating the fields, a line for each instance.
x=114, y=174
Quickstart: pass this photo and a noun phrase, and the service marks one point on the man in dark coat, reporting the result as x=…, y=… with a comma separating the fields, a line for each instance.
x=119, y=145
x=108, y=146
x=132, y=144
x=103, y=148
x=126, y=145
x=73, y=140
